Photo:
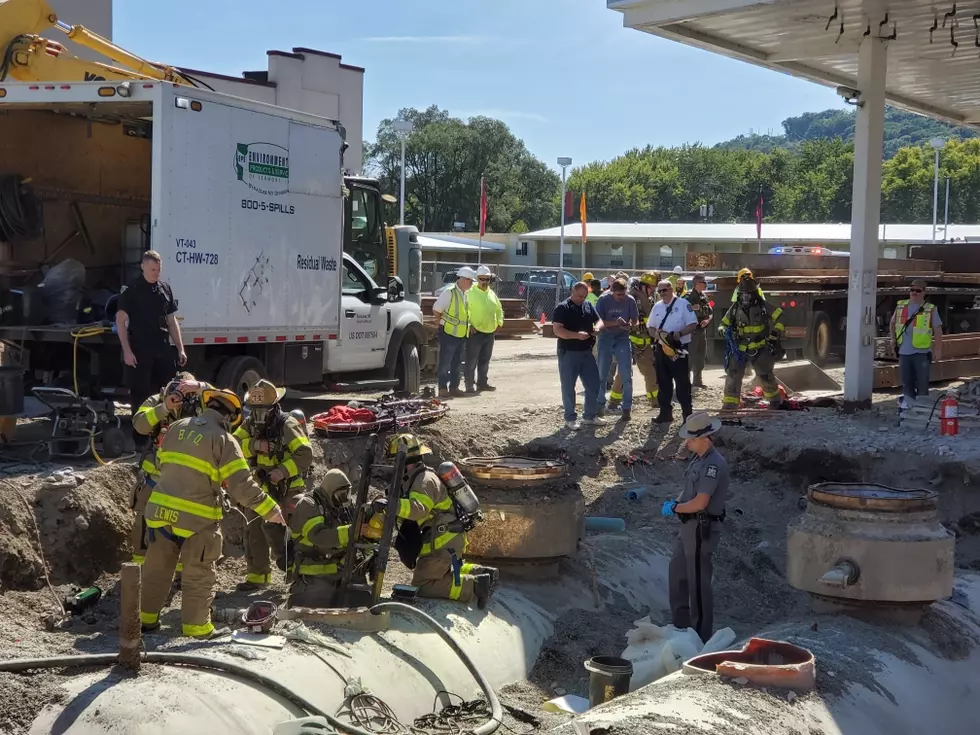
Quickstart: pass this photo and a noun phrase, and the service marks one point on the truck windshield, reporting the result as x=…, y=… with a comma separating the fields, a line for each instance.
x=366, y=246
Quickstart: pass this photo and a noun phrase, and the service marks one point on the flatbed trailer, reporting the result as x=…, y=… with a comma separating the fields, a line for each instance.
x=812, y=292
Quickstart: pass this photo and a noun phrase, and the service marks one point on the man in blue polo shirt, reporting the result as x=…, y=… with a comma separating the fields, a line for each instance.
x=574, y=322
x=619, y=315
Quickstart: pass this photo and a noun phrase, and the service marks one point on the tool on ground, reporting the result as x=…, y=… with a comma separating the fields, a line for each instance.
x=76, y=604
x=404, y=592
x=260, y=617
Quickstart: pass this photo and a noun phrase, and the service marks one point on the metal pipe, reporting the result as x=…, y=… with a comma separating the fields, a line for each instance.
x=935, y=196
x=561, y=241
x=401, y=212
x=946, y=217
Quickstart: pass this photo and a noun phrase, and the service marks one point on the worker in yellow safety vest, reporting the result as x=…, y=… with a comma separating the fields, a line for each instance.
x=429, y=515
x=179, y=399
x=676, y=280
x=486, y=317
x=197, y=458
x=452, y=313
x=642, y=289
x=278, y=450
x=917, y=339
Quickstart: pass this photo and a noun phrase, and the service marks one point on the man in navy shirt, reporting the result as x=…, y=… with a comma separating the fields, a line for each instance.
x=619, y=315
x=574, y=322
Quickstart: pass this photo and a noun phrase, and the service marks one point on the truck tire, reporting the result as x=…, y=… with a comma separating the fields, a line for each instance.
x=239, y=373
x=408, y=369
x=817, y=349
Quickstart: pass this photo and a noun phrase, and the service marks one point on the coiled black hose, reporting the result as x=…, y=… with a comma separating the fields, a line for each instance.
x=19, y=213
x=190, y=659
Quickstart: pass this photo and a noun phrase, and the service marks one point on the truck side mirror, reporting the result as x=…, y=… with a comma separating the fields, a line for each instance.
x=379, y=295
x=396, y=289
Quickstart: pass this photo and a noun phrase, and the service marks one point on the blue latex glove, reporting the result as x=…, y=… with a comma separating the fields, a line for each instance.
x=668, y=508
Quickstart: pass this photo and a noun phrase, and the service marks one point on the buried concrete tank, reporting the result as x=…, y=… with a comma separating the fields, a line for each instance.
x=532, y=515
x=864, y=543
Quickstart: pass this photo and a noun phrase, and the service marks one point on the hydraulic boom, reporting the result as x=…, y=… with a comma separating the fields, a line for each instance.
x=29, y=57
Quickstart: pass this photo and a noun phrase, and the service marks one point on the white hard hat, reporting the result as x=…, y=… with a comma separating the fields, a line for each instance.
x=678, y=270
x=466, y=272
x=483, y=271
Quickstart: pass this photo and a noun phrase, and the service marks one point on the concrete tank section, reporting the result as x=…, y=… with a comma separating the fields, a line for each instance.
x=865, y=543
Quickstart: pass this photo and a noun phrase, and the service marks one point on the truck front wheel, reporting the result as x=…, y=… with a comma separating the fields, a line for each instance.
x=817, y=348
x=408, y=370
x=240, y=373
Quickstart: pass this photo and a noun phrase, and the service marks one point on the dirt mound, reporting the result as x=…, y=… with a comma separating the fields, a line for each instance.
x=83, y=529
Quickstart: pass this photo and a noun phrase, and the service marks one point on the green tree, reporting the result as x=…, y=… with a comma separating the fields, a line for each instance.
x=445, y=158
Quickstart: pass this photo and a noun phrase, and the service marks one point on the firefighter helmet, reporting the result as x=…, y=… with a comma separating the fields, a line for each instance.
x=226, y=402
x=414, y=449
x=650, y=278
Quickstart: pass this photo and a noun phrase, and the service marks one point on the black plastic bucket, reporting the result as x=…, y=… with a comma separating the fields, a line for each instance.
x=11, y=391
x=609, y=677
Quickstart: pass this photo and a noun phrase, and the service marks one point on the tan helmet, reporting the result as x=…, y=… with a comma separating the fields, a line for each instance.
x=264, y=393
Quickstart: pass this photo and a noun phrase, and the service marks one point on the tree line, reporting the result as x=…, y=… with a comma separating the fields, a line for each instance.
x=809, y=180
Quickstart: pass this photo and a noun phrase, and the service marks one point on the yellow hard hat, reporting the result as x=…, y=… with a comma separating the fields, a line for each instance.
x=588, y=277
x=650, y=278
x=743, y=273
x=413, y=447
x=228, y=403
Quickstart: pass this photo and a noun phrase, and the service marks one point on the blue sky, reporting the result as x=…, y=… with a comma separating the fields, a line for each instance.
x=564, y=74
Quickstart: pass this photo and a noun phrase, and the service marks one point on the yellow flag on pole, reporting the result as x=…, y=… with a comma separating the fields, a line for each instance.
x=581, y=212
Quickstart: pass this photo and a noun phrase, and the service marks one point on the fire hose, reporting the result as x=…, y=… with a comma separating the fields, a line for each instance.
x=267, y=683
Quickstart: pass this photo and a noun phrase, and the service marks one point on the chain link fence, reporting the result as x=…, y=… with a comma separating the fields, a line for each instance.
x=534, y=285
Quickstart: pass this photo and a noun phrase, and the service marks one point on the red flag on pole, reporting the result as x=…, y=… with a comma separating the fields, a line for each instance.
x=581, y=211
x=568, y=205
x=483, y=206
x=758, y=217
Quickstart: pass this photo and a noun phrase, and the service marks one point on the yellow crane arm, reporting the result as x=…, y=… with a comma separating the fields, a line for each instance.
x=28, y=57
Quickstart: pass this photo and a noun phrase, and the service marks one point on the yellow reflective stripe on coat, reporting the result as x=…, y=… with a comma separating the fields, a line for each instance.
x=149, y=467
x=455, y=590
x=317, y=570
x=266, y=506
x=297, y=482
x=196, y=630
x=210, y=512
x=439, y=542
x=236, y=465
x=776, y=313
x=266, y=460
x=300, y=441
x=149, y=618
x=292, y=469
x=423, y=499
x=307, y=528
x=258, y=578
x=181, y=532
x=446, y=504
x=151, y=415
x=191, y=463
x=730, y=400
x=404, y=508
x=751, y=328
x=343, y=536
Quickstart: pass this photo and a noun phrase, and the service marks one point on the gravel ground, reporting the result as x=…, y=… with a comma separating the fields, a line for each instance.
x=773, y=458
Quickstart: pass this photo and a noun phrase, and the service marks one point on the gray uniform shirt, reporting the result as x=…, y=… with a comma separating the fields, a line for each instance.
x=707, y=474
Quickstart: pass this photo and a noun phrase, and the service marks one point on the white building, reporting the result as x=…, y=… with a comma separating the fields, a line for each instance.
x=316, y=82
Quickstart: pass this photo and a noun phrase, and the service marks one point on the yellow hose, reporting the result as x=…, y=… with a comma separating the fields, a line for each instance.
x=93, y=330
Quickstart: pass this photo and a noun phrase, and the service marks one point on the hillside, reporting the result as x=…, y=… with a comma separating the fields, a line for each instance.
x=901, y=129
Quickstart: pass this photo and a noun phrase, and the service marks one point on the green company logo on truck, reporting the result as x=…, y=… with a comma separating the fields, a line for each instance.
x=263, y=167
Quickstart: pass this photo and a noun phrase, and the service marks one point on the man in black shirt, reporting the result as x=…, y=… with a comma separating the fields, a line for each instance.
x=146, y=322
x=574, y=321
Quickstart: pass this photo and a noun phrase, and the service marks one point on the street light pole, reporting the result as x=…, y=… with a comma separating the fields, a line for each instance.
x=564, y=162
x=946, y=217
x=937, y=144
x=403, y=129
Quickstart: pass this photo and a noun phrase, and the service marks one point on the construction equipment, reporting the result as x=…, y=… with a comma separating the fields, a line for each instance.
x=29, y=57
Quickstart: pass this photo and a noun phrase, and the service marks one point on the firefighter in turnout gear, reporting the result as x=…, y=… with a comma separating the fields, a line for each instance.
x=642, y=289
x=699, y=340
x=439, y=567
x=753, y=334
x=320, y=526
x=183, y=515
x=179, y=399
x=278, y=449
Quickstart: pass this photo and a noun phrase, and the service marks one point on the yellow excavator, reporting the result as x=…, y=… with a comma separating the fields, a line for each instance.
x=29, y=57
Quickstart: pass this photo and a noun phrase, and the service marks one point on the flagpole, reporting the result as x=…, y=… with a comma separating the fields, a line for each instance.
x=483, y=217
x=758, y=222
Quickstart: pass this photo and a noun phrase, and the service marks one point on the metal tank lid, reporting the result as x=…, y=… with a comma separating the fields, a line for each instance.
x=513, y=468
x=868, y=496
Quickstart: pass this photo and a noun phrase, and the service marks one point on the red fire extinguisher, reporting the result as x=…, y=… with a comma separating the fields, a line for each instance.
x=949, y=424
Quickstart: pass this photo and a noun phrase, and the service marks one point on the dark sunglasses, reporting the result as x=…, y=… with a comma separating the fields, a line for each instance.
x=484, y=280
x=915, y=290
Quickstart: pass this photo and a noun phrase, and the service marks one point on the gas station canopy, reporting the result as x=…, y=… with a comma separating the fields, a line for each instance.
x=933, y=64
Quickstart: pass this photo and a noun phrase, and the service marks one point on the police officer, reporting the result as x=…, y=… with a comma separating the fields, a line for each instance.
x=699, y=340
x=701, y=510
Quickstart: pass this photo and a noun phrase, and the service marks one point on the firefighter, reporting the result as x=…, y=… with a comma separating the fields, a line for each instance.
x=439, y=569
x=320, y=526
x=278, y=449
x=179, y=399
x=183, y=515
x=676, y=280
x=642, y=289
x=699, y=340
x=753, y=334
x=741, y=276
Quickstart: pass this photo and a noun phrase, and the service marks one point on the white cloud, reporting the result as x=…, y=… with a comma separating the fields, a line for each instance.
x=505, y=115
x=423, y=39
